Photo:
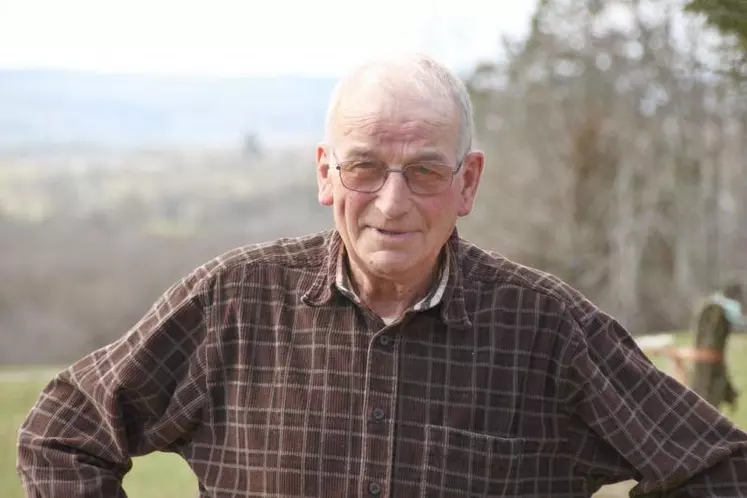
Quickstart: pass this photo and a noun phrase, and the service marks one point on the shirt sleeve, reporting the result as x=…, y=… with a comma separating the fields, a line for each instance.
x=140, y=394
x=649, y=425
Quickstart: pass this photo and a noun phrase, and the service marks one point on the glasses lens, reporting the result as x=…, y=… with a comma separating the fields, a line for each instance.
x=363, y=176
x=429, y=178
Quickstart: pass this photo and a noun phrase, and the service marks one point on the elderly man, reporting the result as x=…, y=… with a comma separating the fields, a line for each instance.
x=387, y=357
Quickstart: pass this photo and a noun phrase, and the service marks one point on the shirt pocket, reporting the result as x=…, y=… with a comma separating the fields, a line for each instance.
x=464, y=463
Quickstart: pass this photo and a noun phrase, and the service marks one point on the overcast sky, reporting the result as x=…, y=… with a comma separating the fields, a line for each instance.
x=249, y=37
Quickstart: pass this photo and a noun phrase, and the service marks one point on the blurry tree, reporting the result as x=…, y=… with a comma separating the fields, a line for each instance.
x=616, y=157
x=729, y=17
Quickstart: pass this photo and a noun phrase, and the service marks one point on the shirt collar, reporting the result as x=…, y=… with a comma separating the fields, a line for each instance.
x=449, y=292
x=430, y=300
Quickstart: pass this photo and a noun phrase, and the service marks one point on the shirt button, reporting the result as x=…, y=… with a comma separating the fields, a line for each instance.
x=378, y=413
x=374, y=488
x=384, y=340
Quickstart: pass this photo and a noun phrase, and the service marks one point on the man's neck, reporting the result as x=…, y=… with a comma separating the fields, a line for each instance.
x=391, y=297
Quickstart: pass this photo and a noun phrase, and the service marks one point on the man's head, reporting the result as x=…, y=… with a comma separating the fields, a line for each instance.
x=733, y=290
x=412, y=113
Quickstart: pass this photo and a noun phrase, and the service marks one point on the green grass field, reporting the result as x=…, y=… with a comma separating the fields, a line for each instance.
x=167, y=476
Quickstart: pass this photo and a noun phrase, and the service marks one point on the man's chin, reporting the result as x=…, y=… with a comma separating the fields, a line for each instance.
x=391, y=262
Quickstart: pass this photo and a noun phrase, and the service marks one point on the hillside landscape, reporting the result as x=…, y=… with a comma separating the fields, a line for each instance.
x=55, y=108
x=89, y=241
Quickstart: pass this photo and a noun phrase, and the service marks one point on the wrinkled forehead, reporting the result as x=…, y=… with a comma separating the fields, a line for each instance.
x=396, y=126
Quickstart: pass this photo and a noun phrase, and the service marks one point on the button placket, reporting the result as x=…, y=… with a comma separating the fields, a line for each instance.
x=381, y=386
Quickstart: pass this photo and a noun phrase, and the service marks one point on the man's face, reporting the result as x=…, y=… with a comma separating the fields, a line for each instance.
x=394, y=233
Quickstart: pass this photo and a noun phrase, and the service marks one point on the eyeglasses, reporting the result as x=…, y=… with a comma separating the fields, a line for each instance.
x=423, y=178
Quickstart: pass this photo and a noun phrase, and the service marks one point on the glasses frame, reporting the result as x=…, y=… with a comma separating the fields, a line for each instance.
x=339, y=165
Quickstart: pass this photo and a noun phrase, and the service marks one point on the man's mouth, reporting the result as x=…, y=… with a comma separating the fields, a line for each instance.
x=399, y=234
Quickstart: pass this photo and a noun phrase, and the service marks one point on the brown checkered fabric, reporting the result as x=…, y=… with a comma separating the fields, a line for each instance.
x=270, y=382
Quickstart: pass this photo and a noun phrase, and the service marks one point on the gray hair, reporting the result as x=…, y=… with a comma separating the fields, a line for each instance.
x=421, y=74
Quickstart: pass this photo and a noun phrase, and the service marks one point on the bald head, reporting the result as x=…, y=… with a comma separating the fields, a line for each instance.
x=384, y=85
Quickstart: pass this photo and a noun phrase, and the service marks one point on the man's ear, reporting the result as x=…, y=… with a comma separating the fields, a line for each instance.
x=471, y=174
x=323, y=178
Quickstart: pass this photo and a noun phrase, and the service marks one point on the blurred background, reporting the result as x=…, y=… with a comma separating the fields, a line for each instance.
x=139, y=139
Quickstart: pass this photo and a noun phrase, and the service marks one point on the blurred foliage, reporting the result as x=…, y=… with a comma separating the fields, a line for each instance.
x=730, y=18
x=616, y=134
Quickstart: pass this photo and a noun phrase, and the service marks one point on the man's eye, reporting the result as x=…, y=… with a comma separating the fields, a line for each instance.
x=430, y=170
x=424, y=170
x=365, y=165
x=367, y=168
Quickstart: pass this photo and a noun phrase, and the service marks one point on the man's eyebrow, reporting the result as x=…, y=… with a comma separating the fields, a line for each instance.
x=360, y=152
x=426, y=155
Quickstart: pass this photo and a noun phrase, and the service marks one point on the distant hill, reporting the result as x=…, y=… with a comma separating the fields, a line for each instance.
x=48, y=108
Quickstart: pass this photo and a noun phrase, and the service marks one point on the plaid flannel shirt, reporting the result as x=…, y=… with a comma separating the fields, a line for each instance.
x=271, y=380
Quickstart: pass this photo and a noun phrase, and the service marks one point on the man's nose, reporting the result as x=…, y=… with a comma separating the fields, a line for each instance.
x=394, y=198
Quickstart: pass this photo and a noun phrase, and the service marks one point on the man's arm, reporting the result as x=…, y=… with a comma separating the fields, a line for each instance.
x=676, y=444
x=138, y=395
